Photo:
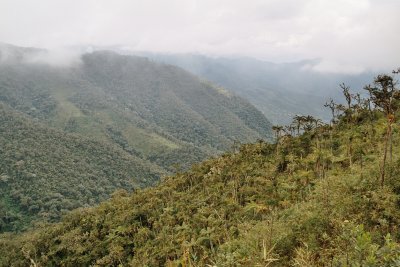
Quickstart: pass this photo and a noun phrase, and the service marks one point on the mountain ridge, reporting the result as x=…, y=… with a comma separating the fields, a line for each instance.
x=157, y=118
x=80, y=98
x=279, y=90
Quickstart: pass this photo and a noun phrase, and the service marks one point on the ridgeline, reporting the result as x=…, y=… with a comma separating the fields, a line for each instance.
x=72, y=134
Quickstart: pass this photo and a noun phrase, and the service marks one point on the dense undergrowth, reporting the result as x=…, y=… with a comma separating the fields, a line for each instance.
x=322, y=195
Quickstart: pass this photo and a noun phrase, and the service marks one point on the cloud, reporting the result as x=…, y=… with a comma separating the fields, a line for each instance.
x=345, y=34
x=55, y=57
x=60, y=57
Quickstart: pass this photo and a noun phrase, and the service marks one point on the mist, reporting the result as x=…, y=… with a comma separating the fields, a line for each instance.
x=56, y=57
x=347, y=36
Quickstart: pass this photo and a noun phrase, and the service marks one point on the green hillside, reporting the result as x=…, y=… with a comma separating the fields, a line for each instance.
x=73, y=134
x=328, y=196
x=279, y=90
x=45, y=172
x=158, y=112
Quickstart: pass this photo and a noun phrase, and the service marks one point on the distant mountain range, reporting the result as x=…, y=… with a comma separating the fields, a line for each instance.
x=107, y=121
x=280, y=91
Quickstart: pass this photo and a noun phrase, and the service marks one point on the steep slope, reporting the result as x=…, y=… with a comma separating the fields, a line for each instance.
x=103, y=123
x=280, y=91
x=157, y=112
x=201, y=113
x=45, y=172
x=316, y=199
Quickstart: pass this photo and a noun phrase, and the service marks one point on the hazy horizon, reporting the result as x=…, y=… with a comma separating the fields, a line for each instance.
x=345, y=36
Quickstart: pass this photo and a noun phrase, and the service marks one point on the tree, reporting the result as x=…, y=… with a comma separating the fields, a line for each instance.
x=278, y=130
x=384, y=94
x=332, y=106
x=298, y=121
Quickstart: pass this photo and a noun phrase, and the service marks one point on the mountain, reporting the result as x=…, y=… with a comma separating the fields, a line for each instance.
x=280, y=91
x=324, y=197
x=76, y=129
x=151, y=110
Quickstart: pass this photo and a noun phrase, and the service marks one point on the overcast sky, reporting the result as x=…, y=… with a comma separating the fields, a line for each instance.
x=348, y=35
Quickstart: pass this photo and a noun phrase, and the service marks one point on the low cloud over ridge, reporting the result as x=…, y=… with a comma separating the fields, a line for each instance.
x=348, y=35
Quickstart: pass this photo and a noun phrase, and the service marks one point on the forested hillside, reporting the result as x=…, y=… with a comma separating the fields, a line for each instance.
x=45, y=172
x=158, y=112
x=279, y=90
x=321, y=195
x=71, y=134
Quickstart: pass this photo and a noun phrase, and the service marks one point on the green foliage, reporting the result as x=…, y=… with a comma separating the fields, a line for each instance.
x=313, y=198
x=45, y=172
x=110, y=122
x=157, y=110
x=280, y=91
x=309, y=200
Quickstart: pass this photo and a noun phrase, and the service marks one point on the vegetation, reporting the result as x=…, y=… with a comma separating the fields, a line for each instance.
x=45, y=172
x=157, y=112
x=71, y=135
x=280, y=90
x=313, y=198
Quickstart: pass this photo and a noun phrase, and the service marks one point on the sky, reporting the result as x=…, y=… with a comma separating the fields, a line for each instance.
x=345, y=35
